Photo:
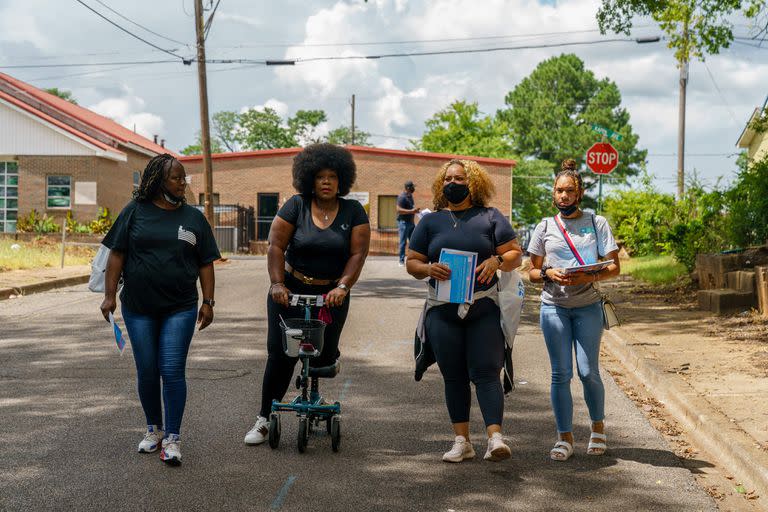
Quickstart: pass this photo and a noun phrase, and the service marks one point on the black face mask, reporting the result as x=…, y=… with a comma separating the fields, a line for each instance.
x=455, y=193
x=568, y=210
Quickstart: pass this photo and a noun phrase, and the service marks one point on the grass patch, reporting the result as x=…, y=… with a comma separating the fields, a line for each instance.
x=41, y=253
x=654, y=269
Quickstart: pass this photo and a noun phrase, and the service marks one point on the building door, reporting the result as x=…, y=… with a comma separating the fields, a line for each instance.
x=267, y=209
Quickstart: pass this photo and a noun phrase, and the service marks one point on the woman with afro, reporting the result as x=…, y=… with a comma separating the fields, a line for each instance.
x=318, y=243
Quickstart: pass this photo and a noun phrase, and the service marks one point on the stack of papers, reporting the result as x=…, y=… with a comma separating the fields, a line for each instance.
x=590, y=268
x=460, y=288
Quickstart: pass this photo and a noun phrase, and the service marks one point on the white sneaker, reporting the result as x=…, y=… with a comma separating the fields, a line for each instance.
x=401, y=264
x=259, y=433
x=171, y=452
x=151, y=441
x=497, y=448
x=461, y=450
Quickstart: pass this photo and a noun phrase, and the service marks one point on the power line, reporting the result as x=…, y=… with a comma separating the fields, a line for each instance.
x=291, y=62
x=126, y=30
x=722, y=97
x=139, y=25
x=417, y=41
x=209, y=22
x=87, y=64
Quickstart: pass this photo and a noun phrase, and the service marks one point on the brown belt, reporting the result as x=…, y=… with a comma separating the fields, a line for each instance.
x=306, y=279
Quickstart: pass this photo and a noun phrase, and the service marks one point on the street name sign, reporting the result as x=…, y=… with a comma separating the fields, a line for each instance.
x=607, y=133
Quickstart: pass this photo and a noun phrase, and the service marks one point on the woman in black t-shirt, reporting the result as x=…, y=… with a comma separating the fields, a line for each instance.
x=161, y=246
x=468, y=342
x=317, y=246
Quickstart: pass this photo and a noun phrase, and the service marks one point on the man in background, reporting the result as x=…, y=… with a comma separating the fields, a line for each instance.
x=405, y=213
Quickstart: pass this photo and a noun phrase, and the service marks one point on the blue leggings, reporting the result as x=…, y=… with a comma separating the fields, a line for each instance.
x=566, y=330
x=160, y=345
x=469, y=350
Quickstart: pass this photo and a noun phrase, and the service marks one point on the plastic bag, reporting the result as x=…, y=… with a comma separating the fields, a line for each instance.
x=511, y=296
x=99, y=270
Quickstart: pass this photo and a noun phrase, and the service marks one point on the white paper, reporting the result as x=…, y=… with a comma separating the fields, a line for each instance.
x=591, y=268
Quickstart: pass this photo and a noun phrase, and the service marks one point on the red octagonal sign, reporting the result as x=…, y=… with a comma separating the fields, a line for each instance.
x=602, y=158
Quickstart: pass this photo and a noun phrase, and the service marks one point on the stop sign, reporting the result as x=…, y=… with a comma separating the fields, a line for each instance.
x=602, y=158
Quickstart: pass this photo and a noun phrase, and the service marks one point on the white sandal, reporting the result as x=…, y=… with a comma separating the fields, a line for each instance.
x=596, y=448
x=562, y=451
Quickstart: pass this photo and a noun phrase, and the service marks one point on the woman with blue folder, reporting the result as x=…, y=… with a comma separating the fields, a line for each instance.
x=466, y=337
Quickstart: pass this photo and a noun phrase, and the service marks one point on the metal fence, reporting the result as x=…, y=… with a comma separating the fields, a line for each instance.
x=235, y=226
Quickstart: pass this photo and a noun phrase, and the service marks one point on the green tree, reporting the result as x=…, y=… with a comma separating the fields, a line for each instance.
x=693, y=28
x=343, y=136
x=225, y=126
x=61, y=93
x=263, y=129
x=551, y=111
x=748, y=203
x=302, y=127
x=462, y=129
x=197, y=147
x=531, y=192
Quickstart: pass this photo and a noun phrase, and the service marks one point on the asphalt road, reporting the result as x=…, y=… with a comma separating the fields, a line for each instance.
x=70, y=420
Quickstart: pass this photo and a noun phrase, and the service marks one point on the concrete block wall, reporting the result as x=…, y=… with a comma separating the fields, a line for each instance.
x=731, y=283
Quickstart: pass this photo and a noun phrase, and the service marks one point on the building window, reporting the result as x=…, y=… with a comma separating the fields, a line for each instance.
x=201, y=198
x=387, y=212
x=9, y=194
x=136, y=180
x=59, y=190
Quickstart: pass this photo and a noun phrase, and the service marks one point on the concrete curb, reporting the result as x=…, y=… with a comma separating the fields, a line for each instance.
x=714, y=431
x=44, y=286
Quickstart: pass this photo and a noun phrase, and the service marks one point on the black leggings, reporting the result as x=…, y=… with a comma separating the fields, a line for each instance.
x=279, y=370
x=469, y=349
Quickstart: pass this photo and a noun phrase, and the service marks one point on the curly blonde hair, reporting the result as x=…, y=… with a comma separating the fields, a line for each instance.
x=481, y=187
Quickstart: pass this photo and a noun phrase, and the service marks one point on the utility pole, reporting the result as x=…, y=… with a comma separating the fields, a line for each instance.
x=353, y=121
x=681, y=117
x=205, y=131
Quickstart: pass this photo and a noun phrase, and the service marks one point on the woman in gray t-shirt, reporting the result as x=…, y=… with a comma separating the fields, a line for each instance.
x=571, y=310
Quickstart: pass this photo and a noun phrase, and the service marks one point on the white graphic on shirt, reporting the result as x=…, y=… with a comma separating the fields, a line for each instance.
x=345, y=227
x=187, y=236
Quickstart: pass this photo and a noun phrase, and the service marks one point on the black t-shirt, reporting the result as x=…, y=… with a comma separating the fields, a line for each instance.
x=164, y=250
x=476, y=230
x=315, y=252
x=405, y=201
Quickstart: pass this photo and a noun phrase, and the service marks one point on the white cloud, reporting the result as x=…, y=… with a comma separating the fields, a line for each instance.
x=128, y=111
x=280, y=107
x=237, y=18
x=16, y=26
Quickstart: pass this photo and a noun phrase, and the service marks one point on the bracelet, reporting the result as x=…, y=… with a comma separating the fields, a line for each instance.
x=275, y=284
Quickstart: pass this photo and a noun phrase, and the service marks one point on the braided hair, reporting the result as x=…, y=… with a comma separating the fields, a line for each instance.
x=155, y=172
x=569, y=169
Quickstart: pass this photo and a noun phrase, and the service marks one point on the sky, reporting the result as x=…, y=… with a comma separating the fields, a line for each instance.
x=394, y=96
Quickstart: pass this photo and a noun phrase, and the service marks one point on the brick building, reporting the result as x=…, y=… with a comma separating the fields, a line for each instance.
x=262, y=179
x=56, y=157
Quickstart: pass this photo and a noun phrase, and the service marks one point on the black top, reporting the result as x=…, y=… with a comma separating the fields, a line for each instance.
x=164, y=250
x=476, y=230
x=315, y=252
x=405, y=201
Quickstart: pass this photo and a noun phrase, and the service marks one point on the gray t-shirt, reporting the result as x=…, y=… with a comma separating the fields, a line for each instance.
x=548, y=241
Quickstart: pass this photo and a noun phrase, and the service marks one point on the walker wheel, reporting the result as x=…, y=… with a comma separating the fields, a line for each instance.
x=335, y=432
x=274, y=430
x=303, y=435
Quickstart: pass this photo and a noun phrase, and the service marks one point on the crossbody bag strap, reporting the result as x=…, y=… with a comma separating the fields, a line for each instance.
x=568, y=240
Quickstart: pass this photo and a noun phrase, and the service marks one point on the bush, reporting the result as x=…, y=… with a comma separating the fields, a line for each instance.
x=36, y=223
x=101, y=224
x=75, y=227
x=748, y=204
x=641, y=219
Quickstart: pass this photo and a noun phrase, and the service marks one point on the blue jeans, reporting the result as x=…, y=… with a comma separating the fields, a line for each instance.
x=566, y=330
x=404, y=230
x=160, y=345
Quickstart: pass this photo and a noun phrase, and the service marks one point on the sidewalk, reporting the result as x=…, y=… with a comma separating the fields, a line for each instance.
x=24, y=282
x=709, y=373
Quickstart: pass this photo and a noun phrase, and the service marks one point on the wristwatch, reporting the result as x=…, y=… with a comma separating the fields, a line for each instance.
x=343, y=287
x=500, y=259
x=209, y=302
x=544, y=276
